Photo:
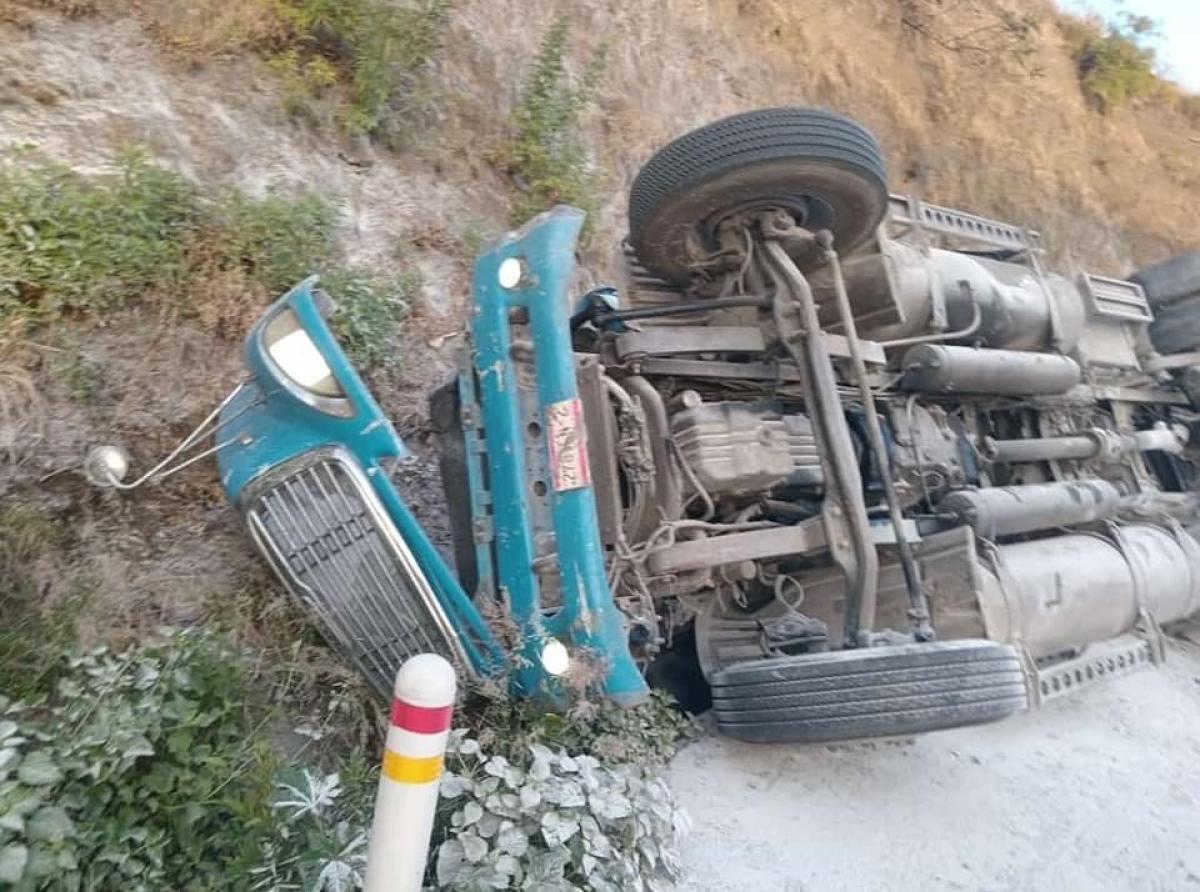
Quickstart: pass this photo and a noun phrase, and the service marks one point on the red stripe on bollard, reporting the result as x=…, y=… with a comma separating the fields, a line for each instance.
x=421, y=719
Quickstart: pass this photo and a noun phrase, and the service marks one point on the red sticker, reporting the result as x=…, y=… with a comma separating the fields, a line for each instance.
x=568, y=445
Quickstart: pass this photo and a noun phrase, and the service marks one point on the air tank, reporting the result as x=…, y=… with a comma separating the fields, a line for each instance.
x=938, y=368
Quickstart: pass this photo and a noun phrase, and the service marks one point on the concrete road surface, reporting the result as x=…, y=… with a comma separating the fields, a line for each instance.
x=1096, y=792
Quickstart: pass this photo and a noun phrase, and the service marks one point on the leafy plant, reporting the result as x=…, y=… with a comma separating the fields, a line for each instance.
x=70, y=244
x=32, y=635
x=646, y=735
x=547, y=157
x=1114, y=60
x=372, y=54
x=392, y=48
x=277, y=240
x=302, y=78
x=545, y=820
x=145, y=770
x=320, y=844
x=370, y=310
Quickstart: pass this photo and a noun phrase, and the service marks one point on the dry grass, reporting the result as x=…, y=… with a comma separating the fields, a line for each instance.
x=1025, y=147
x=21, y=411
x=205, y=30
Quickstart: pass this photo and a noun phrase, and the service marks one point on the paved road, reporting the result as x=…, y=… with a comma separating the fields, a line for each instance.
x=1096, y=792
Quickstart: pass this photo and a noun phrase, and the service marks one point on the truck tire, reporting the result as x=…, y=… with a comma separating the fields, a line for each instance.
x=1171, y=280
x=1176, y=328
x=824, y=169
x=873, y=692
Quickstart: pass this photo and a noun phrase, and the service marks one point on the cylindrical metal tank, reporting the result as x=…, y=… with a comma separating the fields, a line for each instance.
x=937, y=368
x=1065, y=592
x=1004, y=511
x=1014, y=307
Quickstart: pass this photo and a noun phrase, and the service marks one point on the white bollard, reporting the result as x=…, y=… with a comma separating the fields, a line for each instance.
x=412, y=767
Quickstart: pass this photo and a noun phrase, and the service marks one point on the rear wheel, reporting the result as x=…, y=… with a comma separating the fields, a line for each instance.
x=824, y=169
x=1176, y=327
x=873, y=692
x=1172, y=280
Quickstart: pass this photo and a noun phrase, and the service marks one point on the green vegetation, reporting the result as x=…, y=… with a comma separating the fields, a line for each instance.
x=376, y=50
x=154, y=770
x=369, y=310
x=547, y=157
x=373, y=55
x=138, y=770
x=1115, y=63
x=31, y=637
x=80, y=246
x=536, y=800
x=68, y=245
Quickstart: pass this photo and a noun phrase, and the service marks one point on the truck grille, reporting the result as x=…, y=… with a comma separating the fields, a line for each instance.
x=321, y=525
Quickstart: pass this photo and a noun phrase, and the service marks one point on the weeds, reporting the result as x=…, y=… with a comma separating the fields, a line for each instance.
x=392, y=48
x=369, y=312
x=31, y=633
x=373, y=54
x=21, y=410
x=536, y=800
x=70, y=245
x=67, y=244
x=146, y=769
x=547, y=157
x=554, y=820
x=1114, y=62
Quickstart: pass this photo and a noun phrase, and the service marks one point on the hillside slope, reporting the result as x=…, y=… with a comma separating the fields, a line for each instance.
x=962, y=118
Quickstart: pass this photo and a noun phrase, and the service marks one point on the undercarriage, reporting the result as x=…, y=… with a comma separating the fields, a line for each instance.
x=826, y=422
x=838, y=462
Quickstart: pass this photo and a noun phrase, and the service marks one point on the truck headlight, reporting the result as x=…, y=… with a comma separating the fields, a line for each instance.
x=298, y=358
x=556, y=660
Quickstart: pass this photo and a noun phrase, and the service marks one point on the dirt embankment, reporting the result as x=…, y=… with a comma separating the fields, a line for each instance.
x=972, y=128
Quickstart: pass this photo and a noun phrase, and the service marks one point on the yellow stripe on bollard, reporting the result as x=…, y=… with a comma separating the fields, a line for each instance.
x=410, y=769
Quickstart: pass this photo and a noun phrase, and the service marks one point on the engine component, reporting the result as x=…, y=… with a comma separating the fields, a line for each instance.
x=1015, y=308
x=802, y=446
x=1096, y=443
x=932, y=453
x=936, y=368
x=741, y=448
x=1004, y=511
x=1069, y=591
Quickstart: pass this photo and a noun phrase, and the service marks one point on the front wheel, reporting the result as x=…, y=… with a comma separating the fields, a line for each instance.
x=874, y=692
x=825, y=170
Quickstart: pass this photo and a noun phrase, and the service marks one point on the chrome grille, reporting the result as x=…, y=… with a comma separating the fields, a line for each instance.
x=323, y=528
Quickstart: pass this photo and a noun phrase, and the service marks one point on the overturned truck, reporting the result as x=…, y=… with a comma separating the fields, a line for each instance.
x=840, y=462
